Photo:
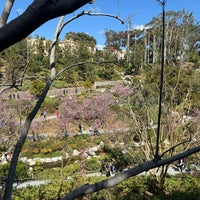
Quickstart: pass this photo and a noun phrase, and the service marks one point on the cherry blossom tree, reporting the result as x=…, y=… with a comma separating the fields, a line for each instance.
x=97, y=108
x=122, y=91
x=93, y=109
x=8, y=122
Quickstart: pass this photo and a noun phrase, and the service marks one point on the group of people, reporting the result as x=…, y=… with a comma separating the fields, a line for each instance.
x=44, y=114
x=90, y=130
x=181, y=165
x=109, y=168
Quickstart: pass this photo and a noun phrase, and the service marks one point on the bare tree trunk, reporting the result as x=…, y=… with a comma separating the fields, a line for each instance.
x=20, y=143
x=166, y=43
x=24, y=132
x=145, y=48
x=154, y=49
x=6, y=12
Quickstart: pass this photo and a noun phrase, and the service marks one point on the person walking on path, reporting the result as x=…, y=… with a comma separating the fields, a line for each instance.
x=44, y=115
x=57, y=113
x=80, y=126
x=90, y=130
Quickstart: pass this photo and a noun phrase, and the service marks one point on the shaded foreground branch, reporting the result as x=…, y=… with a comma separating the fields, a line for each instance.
x=90, y=188
x=39, y=12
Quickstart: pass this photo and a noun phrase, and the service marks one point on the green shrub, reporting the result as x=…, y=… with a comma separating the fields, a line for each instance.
x=37, y=87
x=58, y=189
x=122, y=159
x=133, y=185
x=21, y=171
x=71, y=169
x=151, y=184
x=46, y=150
x=93, y=164
x=50, y=104
x=105, y=194
x=30, y=193
x=3, y=172
x=60, y=84
x=35, y=150
x=80, y=141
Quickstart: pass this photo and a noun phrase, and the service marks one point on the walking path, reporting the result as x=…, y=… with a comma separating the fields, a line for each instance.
x=34, y=183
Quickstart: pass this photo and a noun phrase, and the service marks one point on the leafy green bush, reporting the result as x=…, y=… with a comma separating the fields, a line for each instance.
x=105, y=194
x=151, y=184
x=132, y=188
x=50, y=104
x=122, y=159
x=43, y=148
x=182, y=186
x=71, y=169
x=60, y=84
x=58, y=189
x=93, y=164
x=3, y=172
x=46, y=150
x=30, y=193
x=37, y=87
x=21, y=171
x=80, y=141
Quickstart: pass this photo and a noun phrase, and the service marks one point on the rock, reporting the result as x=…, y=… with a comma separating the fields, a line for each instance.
x=102, y=145
x=48, y=160
x=41, y=160
x=91, y=153
x=55, y=159
x=31, y=162
x=94, y=149
x=4, y=162
x=23, y=159
x=85, y=155
x=75, y=152
x=67, y=155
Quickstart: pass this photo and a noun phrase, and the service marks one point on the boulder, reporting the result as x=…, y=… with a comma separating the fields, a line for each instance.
x=75, y=152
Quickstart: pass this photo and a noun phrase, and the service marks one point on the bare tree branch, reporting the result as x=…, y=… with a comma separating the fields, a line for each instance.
x=39, y=12
x=90, y=13
x=177, y=145
x=6, y=12
x=90, y=188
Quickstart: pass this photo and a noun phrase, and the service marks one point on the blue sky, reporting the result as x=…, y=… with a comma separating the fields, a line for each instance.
x=143, y=10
